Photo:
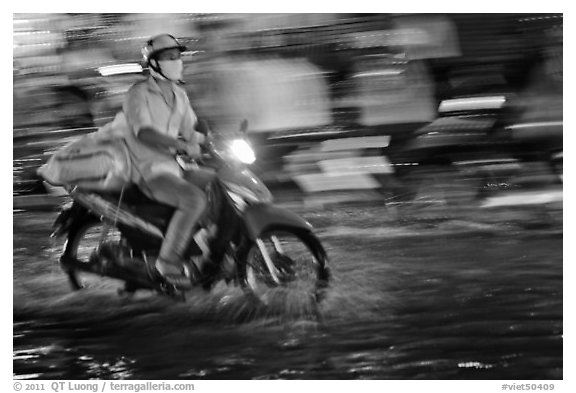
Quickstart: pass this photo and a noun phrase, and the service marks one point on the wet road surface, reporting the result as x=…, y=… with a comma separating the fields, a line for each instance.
x=429, y=299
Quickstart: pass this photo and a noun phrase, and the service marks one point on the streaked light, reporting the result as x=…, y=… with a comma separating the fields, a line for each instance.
x=524, y=198
x=487, y=161
x=378, y=73
x=474, y=365
x=536, y=124
x=130, y=68
x=19, y=33
x=461, y=104
x=356, y=143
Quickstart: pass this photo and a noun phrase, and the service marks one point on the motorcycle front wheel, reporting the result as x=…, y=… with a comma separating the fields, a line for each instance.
x=286, y=270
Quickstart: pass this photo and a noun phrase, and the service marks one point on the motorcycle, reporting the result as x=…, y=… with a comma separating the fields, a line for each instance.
x=483, y=146
x=262, y=248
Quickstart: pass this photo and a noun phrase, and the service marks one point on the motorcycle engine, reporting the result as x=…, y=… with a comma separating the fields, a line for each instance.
x=116, y=252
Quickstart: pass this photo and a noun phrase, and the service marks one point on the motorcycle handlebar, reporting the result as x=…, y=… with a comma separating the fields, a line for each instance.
x=211, y=152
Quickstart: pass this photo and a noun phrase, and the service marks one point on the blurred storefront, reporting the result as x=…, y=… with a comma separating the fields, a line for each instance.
x=376, y=65
x=317, y=75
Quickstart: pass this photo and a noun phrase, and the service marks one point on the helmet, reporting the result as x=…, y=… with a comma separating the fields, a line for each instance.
x=158, y=44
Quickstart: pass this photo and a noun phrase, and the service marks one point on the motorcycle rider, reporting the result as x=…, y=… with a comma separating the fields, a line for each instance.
x=159, y=114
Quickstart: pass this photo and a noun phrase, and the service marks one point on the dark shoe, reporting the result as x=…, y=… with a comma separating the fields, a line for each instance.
x=209, y=275
x=174, y=274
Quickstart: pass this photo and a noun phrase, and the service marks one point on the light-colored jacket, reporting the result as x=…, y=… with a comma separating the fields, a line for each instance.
x=146, y=105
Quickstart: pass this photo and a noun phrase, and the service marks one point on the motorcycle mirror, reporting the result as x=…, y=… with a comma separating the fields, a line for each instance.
x=244, y=126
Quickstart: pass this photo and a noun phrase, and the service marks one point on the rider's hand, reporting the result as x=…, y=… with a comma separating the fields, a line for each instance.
x=201, y=138
x=187, y=149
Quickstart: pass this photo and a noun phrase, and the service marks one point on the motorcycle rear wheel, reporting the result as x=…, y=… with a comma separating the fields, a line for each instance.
x=80, y=250
x=299, y=278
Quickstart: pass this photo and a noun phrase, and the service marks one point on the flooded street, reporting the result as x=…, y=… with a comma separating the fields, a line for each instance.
x=426, y=150
x=450, y=299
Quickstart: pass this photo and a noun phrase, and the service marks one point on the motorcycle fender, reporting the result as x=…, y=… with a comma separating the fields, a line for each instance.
x=259, y=218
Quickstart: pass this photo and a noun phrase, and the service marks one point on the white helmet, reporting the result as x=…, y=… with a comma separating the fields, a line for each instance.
x=160, y=43
x=157, y=45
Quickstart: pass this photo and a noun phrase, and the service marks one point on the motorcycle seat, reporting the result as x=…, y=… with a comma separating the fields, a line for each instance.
x=130, y=196
x=136, y=202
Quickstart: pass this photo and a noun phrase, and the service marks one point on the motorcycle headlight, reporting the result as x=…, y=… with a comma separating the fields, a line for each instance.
x=241, y=150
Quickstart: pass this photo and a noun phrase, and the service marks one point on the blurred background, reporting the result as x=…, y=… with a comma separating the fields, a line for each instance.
x=405, y=108
x=425, y=149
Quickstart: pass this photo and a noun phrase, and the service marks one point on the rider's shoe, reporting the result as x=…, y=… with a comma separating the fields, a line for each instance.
x=174, y=274
x=209, y=274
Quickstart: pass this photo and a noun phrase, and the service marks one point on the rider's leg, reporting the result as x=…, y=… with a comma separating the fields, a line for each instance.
x=190, y=203
x=203, y=179
x=222, y=216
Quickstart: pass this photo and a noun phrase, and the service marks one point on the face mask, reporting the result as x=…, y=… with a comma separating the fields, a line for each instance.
x=172, y=69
